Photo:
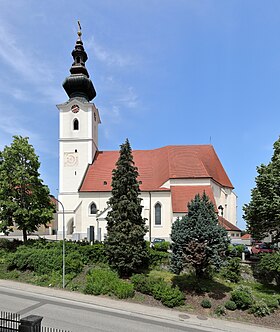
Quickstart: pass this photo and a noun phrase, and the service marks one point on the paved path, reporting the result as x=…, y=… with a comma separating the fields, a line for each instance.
x=48, y=302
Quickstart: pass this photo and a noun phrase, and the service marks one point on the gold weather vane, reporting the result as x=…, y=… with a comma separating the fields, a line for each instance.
x=80, y=29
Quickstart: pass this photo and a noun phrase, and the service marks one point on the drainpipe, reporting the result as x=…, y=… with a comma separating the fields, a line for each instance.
x=150, y=218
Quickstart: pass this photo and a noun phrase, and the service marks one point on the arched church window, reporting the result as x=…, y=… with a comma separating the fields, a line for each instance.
x=92, y=208
x=158, y=214
x=76, y=124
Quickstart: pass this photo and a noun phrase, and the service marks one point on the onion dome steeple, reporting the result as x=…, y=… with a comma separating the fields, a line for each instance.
x=78, y=84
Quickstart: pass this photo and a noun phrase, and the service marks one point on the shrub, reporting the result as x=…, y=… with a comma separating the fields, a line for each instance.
x=123, y=290
x=159, y=289
x=220, y=310
x=206, y=303
x=242, y=296
x=157, y=258
x=230, y=305
x=231, y=271
x=104, y=281
x=269, y=267
x=172, y=297
x=260, y=309
x=162, y=246
x=272, y=303
x=143, y=283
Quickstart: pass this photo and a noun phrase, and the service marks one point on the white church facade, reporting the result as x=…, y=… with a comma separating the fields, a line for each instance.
x=169, y=176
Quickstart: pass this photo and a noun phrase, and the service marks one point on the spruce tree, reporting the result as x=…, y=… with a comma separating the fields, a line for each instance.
x=198, y=240
x=24, y=199
x=125, y=244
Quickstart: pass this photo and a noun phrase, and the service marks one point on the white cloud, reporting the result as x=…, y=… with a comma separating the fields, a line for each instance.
x=22, y=60
x=108, y=56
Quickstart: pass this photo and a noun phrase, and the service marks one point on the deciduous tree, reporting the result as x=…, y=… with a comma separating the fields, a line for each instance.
x=262, y=214
x=24, y=199
x=125, y=244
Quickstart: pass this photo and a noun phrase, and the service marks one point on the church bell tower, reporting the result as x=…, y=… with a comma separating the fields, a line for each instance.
x=78, y=123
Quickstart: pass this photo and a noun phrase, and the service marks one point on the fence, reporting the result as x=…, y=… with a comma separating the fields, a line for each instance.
x=10, y=322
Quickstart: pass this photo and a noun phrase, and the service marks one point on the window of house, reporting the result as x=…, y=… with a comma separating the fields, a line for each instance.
x=158, y=214
x=76, y=124
x=92, y=208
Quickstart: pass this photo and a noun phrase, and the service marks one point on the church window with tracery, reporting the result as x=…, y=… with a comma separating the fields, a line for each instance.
x=93, y=208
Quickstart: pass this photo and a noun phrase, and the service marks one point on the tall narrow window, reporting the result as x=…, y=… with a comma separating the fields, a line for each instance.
x=157, y=214
x=92, y=208
x=76, y=124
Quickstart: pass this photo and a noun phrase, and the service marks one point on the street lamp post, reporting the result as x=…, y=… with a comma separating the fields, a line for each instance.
x=63, y=245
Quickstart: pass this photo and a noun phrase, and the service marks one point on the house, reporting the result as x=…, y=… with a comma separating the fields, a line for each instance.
x=169, y=176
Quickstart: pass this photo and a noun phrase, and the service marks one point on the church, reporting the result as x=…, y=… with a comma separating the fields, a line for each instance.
x=169, y=176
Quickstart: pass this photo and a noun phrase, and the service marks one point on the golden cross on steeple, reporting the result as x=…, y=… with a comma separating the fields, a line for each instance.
x=80, y=29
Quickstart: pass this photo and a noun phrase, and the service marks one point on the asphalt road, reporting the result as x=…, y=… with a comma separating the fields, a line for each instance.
x=77, y=316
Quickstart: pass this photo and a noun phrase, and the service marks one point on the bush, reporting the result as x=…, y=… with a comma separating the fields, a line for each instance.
x=162, y=246
x=230, y=305
x=206, y=303
x=242, y=296
x=231, y=271
x=172, y=297
x=157, y=258
x=143, y=283
x=269, y=268
x=272, y=303
x=260, y=309
x=104, y=281
x=220, y=310
x=159, y=289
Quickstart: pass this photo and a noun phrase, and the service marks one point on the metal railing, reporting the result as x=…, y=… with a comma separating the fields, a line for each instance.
x=11, y=322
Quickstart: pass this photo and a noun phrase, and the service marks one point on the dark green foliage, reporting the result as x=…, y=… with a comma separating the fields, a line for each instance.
x=231, y=271
x=44, y=261
x=157, y=258
x=162, y=246
x=198, y=240
x=125, y=245
x=268, y=268
x=259, y=309
x=262, y=213
x=159, y=289
x=230, y=305
x=242, y=296
x=24, y=200
x=10, y=245
x=105, y=281
x=206, y=303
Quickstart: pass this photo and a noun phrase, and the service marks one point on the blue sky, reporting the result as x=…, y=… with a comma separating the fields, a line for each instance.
x=165, y=71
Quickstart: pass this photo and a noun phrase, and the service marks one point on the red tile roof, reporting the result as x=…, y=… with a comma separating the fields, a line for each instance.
x=246, y=237
x=157, y=166
x=181, y=195
x=228, y=226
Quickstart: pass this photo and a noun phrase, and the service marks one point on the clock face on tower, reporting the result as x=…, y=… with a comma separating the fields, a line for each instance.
x=70, y=159
x=75, y=108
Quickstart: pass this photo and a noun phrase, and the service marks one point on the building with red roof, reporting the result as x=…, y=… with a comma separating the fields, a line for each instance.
x=169, y=176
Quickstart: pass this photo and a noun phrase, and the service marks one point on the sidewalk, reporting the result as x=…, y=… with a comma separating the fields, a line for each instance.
x=135, y=309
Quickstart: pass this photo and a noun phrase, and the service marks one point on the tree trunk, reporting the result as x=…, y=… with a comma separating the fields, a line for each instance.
x=24, y=234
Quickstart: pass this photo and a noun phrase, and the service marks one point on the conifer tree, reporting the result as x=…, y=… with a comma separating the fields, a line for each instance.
x=125, y=244
x=262, y=214
x=198, y=240
x=24, y=199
